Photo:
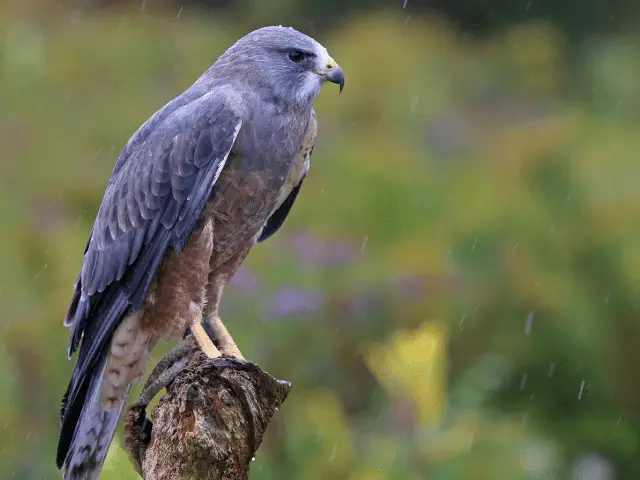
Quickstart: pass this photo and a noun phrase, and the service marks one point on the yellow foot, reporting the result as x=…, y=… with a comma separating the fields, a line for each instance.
x=220, y=335
x=204, y=341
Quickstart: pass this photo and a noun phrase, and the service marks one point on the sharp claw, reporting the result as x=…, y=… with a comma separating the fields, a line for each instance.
x=145, y=431
x=187, y=332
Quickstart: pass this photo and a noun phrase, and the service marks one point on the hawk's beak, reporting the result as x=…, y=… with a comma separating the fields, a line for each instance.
x=334, y=73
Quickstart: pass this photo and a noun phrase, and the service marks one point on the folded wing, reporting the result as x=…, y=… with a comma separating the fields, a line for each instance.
x=153, y=202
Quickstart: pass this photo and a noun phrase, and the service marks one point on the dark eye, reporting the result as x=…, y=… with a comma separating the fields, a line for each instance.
x=296, y=57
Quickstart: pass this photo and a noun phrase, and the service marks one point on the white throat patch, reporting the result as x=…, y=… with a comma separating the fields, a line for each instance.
x=310, y=89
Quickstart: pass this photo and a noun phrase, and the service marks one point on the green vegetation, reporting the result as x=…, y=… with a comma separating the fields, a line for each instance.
x=464, y=255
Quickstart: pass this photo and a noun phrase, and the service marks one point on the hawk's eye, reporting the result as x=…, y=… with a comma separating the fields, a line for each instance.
x=296, y=57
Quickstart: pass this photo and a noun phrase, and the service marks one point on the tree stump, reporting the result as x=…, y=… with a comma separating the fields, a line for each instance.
x=208, y=425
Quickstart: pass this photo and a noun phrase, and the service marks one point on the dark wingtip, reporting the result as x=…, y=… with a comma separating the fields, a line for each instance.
x=59, y=461
x=63, y=442
x=61, y=454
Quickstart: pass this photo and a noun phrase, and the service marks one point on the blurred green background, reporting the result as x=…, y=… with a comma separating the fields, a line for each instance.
x=456, y=292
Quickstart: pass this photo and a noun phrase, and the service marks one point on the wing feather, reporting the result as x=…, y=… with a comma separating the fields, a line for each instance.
x=144, y=212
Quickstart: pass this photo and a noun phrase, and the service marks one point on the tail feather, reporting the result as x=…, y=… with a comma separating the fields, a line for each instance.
x=87, y=429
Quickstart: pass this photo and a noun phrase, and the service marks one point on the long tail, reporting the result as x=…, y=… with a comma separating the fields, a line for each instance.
x=87, y=427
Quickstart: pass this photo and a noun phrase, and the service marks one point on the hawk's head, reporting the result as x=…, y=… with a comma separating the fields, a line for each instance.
x=282, y=63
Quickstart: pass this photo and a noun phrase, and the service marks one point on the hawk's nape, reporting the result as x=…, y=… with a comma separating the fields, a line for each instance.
x=153, y=202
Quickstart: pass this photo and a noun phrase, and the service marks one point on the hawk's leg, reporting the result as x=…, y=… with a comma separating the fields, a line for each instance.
x=218, y=279
x=221, y=337
x=205, y=340
x=180, y=298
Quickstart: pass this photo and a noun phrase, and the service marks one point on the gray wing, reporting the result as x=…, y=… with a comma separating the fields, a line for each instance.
x=298, y=174
x=153, y=202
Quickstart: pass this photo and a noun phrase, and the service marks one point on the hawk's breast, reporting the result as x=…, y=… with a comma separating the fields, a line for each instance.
x=264, y=166
x=301, y=161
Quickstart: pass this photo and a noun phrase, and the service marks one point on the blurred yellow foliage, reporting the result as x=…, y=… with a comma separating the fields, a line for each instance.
x=414, y=365
x=331, y=445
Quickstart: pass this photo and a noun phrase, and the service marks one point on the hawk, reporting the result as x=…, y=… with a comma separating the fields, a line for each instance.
x=208, y=176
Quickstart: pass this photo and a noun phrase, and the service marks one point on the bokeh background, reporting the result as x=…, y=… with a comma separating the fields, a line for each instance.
x=456, y=292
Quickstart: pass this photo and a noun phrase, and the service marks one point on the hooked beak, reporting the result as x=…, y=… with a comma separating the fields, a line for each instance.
x=334, y=74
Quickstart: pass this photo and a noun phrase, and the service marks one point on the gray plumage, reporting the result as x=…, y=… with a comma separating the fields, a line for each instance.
x=233, y=148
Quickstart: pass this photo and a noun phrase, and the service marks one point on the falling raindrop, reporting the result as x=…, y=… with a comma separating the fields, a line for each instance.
x=523, y=381
x=333, y=453
x=413, y=105
x=581, y=390
x=404, y=5
x=528, y=324
x=180, y=12
x=475, y=242
x=364, y=243
x=552, y=367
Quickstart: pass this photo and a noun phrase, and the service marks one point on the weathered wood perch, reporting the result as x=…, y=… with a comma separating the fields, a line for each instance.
x=208, y=425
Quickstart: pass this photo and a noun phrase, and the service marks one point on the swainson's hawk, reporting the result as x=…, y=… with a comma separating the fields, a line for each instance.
x=213, y=172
